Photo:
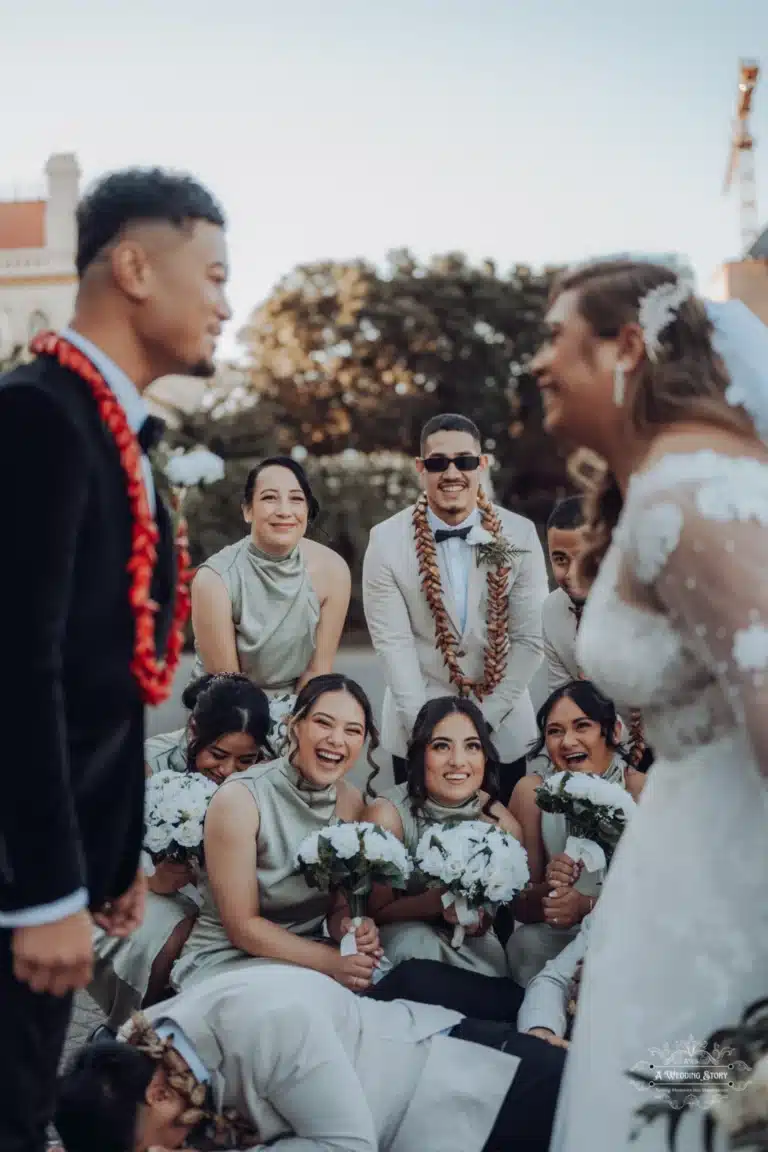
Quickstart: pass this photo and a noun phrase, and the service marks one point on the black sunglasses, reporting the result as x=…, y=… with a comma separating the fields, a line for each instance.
x=441, y=463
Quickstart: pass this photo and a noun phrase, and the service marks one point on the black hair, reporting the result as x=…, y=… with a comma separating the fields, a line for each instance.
x=194, y=688
x=99, y=1097
x=567, y=514
x=222, y=704
x=593, y=704
x=137, y=195
x=313, y=508
x=449, y=422
x=336, y=682
x=430, y=715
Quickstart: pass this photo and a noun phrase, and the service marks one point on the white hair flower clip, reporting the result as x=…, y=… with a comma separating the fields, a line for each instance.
x=657, y=309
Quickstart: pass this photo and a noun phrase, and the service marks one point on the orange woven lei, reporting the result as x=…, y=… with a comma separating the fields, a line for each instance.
x=153, y=676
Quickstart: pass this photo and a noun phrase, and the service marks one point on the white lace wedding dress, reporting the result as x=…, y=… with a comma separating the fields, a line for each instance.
x=677, y=624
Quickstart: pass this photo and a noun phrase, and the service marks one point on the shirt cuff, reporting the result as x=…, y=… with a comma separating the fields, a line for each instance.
x=46, y=913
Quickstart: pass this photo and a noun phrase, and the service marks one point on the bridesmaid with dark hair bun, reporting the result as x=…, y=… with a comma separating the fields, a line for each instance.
x=227, y=733
x=273, y=605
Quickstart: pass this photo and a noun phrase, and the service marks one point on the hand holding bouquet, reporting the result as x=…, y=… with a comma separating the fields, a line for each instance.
x=480, y=867
x=351, y=858
x=174, y=812
x=596, y=811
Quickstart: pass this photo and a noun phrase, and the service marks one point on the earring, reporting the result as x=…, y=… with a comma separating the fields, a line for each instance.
x=618, y=385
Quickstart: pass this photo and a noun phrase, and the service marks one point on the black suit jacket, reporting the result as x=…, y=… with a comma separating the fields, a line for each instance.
x=72, y=732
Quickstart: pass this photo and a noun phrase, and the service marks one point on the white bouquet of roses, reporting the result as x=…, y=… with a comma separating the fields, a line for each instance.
x=596, y=812
x=175, y=805
x=480, y=866
x=280, y=711
x=351, y=858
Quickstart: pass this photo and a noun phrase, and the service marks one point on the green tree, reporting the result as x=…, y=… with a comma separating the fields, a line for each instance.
x=357, y=357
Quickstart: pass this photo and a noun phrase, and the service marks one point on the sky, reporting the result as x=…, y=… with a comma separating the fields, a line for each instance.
x=528, y=131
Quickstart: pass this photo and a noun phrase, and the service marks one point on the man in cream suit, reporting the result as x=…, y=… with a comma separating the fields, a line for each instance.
x=402, y=624
x=309, y=1065
x=562, y=608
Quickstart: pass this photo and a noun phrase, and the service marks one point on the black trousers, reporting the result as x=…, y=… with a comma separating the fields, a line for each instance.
x=525, y=1120
x=432, y=982
x=490, y=1005
x=33, y=1029
x=509, y=774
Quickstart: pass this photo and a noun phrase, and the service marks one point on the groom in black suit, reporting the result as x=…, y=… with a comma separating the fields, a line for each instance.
x=152, y=267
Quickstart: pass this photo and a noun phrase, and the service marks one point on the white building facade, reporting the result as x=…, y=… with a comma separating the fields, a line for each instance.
x=38, y=239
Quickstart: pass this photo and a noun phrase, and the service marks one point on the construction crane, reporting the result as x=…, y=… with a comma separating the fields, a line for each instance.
x=741, y=161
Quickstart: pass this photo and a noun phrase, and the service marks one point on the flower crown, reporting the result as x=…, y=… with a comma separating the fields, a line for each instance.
x=656, y=311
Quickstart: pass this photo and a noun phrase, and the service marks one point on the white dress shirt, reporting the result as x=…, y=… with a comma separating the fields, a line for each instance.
x=136, y=412
x=131, y=400
x=459, y=558
x=546, y=996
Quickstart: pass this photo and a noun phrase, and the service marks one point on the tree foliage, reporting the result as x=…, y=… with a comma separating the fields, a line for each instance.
x=356, y=357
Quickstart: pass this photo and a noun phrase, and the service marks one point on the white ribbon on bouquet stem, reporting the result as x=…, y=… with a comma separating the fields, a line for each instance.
x=467, y=917
x=587, y=852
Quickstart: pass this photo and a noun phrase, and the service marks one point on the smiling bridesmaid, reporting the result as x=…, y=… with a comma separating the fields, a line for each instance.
x=273, y=605
x=579, y=731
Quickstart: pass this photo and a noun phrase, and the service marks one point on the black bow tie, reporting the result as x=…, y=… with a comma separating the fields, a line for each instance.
x=449, y=533
x=151, y=433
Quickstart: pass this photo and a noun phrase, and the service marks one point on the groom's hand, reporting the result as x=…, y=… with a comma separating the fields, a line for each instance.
x=55, y=958
x=124, y=915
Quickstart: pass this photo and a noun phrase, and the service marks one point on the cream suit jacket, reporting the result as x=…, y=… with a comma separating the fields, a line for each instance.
x=559, y=628
x=403, y=632
x=317, y=1069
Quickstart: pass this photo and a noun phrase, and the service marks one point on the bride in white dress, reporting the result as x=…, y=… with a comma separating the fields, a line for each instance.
x=677, y=624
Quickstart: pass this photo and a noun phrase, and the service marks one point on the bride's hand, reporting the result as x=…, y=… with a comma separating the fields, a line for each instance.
x=562, y=871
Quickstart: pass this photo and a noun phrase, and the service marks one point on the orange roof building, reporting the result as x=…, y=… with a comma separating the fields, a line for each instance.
x=38, y=240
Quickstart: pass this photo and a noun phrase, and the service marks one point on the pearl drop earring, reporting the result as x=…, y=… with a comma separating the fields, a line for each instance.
x=618, y=385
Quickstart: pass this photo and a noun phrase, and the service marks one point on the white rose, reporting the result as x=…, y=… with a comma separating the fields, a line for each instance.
x=189, y=834
x=478, y=535
x=309, y=850
x=344, y=840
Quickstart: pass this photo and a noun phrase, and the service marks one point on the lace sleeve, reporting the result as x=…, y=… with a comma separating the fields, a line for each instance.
x=701, y=552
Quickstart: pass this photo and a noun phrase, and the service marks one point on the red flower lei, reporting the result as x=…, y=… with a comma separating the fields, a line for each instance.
x=154, y=677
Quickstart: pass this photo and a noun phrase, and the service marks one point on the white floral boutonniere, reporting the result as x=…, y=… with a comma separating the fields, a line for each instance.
x=495, y=551
x=176, y=472
x=194, y=468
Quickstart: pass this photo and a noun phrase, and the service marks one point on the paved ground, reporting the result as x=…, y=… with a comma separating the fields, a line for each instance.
x=358, y=663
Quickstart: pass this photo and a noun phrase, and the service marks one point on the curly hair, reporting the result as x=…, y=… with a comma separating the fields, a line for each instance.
x=686, y=382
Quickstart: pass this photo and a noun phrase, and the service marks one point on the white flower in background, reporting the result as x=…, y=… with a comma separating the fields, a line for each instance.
x=197, y=467
x=478, y=535
x=657, y=535
x=344, y=839
x=750, y=648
